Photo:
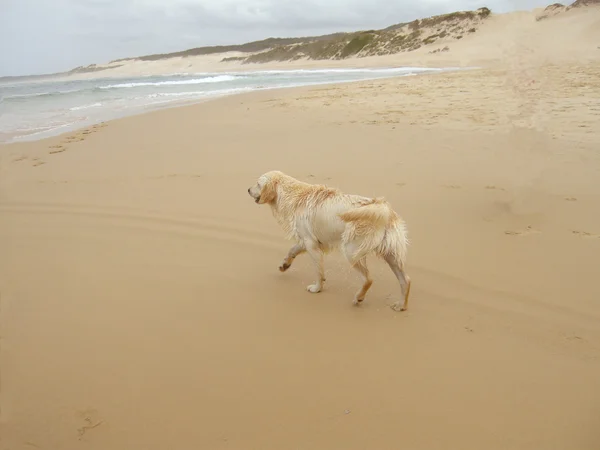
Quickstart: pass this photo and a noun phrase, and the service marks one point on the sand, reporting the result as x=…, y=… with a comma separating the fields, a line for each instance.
x=141, y=305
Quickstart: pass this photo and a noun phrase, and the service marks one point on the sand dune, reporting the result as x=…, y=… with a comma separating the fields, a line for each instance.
x=141, y=305
x=569, y=37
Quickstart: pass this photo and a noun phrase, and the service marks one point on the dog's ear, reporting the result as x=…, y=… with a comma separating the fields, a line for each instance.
x=268, y=194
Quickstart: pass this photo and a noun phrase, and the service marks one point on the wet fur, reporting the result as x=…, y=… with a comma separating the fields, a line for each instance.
x=321, y=219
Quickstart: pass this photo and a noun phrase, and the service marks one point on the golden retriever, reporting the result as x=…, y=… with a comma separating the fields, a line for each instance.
x=321, y=218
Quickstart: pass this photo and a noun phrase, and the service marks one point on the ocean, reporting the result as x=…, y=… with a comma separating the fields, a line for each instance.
x=32, y=110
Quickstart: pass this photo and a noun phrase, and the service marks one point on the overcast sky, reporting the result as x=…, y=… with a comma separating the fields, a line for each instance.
x=44, y=36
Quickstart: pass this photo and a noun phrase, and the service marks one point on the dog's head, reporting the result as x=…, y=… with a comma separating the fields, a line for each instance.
x=265, y=188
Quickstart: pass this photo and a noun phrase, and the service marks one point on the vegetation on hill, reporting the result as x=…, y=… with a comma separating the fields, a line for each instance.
x=92, y=68
x=250, y=47
x=550, y=11
x=580, y=3
x=396, y=38
x=558, y=8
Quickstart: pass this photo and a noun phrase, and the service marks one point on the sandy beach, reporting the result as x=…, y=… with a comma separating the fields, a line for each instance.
x=141, y=306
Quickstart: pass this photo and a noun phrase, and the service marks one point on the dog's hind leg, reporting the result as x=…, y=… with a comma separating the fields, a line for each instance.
x=403, y=279
x=289, y=259
x=317, y=257
x=361, y=267
x=358, y=261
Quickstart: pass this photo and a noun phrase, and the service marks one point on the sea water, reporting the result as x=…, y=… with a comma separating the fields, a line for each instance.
x=37, y=109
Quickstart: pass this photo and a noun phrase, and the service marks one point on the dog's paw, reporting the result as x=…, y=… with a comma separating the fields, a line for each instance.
x=284, y=266
x=399, y=306
x=313, y=288
x=357, y=302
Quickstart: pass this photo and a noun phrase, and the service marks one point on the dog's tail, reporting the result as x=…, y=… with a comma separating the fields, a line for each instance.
x=374, y=228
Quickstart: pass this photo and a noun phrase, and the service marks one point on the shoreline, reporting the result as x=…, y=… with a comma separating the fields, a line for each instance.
x=286, y=66
x=16, y=138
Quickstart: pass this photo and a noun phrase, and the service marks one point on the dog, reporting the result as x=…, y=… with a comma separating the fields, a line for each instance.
x=321, y=219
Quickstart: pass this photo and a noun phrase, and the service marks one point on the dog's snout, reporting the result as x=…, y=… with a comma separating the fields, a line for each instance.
x=248, y=190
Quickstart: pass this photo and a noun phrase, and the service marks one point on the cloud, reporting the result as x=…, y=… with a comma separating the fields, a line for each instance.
x=41, y=36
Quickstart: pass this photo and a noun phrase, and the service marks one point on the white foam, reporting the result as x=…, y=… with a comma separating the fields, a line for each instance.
x=93, y=105
x=193, y=93
x=40, y=94
x=214, y=79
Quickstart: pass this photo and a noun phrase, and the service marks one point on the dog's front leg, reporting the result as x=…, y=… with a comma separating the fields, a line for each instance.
x=317, y=257
x=289, y=259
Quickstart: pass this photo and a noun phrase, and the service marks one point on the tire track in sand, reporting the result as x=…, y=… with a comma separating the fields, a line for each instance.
x=208, y=227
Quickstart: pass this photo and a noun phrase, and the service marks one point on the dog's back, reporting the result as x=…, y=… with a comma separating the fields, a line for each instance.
x=322, y=221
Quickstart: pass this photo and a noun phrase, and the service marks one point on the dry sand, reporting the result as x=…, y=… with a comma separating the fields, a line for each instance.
x=141, y=306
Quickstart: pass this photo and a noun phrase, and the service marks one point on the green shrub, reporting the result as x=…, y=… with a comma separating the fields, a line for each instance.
x=484, y=12
x=356, y=44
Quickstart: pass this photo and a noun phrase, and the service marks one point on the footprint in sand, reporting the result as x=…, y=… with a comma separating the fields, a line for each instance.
x=91, y=421
x=491, y=187
x=525, y=232
x=586, y=235
x=94, y=128
x=20, y=158
x=78, y=137
x=452, y=186
x=74, y=139
x=400, y=184
x=571, y=199
x=57, y=149
x=37, y=162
